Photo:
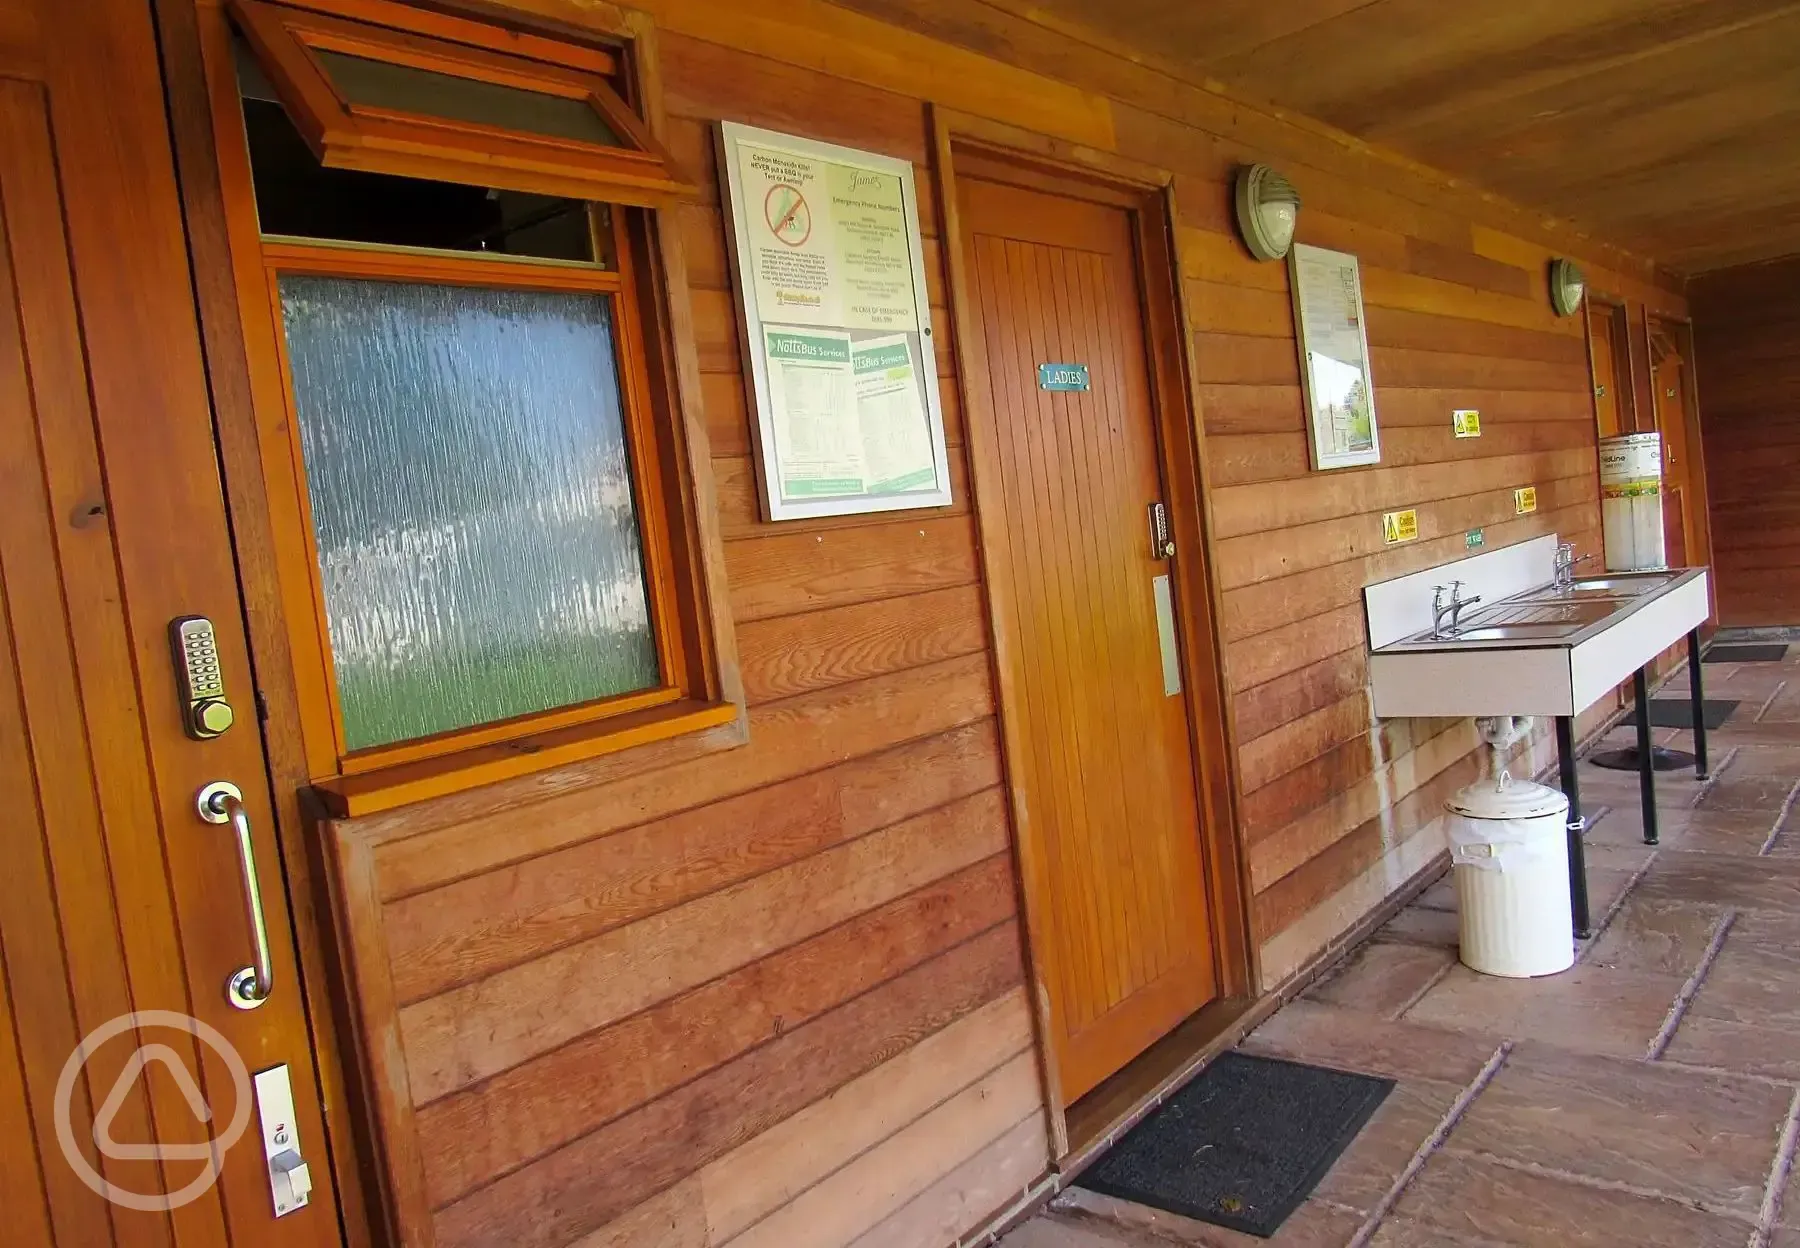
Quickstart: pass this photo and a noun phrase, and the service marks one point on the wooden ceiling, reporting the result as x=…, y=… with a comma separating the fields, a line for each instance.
x=1668, y=126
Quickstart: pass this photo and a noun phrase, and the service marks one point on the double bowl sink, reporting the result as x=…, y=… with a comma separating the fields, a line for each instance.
x=1548, y=650
x=1554, y=614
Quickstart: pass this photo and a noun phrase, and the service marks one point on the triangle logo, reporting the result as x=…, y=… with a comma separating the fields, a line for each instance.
x=109, y=1109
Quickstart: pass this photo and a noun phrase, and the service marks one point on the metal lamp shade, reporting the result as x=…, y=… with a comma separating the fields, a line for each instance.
x=1568, y=286
x=1267, y=209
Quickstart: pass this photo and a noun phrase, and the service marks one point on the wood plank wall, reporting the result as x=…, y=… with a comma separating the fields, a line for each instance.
x=775, y=997
x=1747, y=340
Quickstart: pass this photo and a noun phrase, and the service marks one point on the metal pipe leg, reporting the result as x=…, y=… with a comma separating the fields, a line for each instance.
x=1571, y=786
x=1698, y=695
x=1640, y=690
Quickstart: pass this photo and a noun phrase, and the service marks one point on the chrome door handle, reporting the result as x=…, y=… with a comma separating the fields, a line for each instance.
x=249, y=986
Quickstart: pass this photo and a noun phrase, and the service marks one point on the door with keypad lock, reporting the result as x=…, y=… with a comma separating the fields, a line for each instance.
x=1090, y=604
x=1684, y=514
x=146, y=939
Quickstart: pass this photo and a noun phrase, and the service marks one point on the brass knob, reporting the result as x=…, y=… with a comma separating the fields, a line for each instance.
x=214, y=717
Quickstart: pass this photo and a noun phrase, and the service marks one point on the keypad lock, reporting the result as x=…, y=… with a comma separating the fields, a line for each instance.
x=1162, y=541
x=205, y=712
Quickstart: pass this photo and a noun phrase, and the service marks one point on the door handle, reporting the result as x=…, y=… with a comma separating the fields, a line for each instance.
x=249, y=986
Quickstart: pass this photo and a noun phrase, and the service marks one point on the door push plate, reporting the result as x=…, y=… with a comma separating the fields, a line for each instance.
x=1162, y=542
x=1166, y=643
x=290, y=1181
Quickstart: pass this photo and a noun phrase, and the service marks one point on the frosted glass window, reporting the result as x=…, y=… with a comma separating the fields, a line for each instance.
x=472, y=501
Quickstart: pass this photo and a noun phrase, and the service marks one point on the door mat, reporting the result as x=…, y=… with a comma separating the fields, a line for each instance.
x=1755, y=652
x=1679, y=712
x=1243, y=1145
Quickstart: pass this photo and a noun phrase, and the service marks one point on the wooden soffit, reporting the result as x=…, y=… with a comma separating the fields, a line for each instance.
x=1665, y=126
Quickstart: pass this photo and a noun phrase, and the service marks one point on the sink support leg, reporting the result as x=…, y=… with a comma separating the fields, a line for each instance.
x=1571, y=786
x=1697, y=694
x=1640, y=690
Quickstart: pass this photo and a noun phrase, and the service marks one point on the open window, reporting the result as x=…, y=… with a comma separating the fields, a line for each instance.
x=487, y=541
x=366, y=96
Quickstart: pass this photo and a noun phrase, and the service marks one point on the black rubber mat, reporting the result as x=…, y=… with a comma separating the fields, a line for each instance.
x=1243, y=1145
x=1746, y=652
x=1679, y=712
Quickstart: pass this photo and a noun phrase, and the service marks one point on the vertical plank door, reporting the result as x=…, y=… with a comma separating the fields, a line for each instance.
x=1604, y=357
x=1105, y=789
x=1669, y=379
x=115, y=896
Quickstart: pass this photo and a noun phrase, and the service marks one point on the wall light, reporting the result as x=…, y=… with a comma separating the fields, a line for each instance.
x=1568, y=286
x=1267, y=205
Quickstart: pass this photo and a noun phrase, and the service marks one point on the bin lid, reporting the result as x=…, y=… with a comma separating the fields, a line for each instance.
x=1506, y=798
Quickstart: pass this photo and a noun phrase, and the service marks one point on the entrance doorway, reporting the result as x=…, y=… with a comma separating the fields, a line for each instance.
x=1094, y=556
x=118, y=898
x=1610, y=362
x=1684, y=510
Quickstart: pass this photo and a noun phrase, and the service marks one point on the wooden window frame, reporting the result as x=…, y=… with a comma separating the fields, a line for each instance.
x=346, y=135
x=699, y=698
x=598, y=53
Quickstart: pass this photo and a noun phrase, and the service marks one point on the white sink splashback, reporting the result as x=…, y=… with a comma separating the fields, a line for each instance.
x=1401, y=608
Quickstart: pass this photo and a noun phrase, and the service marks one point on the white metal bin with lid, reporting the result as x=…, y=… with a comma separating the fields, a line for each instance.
x=1510, y=852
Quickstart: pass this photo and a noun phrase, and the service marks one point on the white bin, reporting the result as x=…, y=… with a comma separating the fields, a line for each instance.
x=1510, y=852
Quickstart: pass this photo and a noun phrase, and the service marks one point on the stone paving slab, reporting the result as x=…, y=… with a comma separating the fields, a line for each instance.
x=1650, y=1096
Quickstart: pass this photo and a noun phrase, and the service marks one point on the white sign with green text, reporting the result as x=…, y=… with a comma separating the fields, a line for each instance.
x=831, y=286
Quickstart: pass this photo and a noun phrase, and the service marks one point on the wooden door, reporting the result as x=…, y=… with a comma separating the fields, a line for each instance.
x=1104, y=777
x=1669, y=379
x=115, y=897
x=1604, y=353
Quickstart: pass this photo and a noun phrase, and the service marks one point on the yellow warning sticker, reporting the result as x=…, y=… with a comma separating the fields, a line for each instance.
x=1466, y=422
x=1400, y=526
x=1525, y=500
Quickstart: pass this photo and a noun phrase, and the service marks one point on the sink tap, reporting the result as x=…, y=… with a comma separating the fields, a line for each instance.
x=1453, y=609
x=1566, y=561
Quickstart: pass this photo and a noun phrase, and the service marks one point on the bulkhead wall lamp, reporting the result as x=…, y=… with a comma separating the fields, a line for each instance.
x=1267, y=207
x=1568, y=286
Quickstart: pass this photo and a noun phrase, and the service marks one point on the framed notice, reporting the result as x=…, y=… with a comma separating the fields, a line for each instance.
x=1334, y=357
x=837, y=324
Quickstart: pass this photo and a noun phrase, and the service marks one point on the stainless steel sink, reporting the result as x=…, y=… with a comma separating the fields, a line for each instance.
x=1520, y=612
x=1521, y=619
x=1607, y=588
x=1631, y=582
x=1535, y=652
x=1517, y=632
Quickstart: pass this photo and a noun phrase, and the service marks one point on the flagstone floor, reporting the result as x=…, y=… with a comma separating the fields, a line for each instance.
x=1649, y=1097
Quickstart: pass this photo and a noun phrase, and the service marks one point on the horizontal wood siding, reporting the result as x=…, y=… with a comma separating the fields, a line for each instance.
x=775, y=996
x=1327, y=793
x=770, y=997
x=1747, y=340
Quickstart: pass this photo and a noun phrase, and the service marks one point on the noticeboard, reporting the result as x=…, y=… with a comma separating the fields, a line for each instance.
x=837, y=325
x=1334, y=357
